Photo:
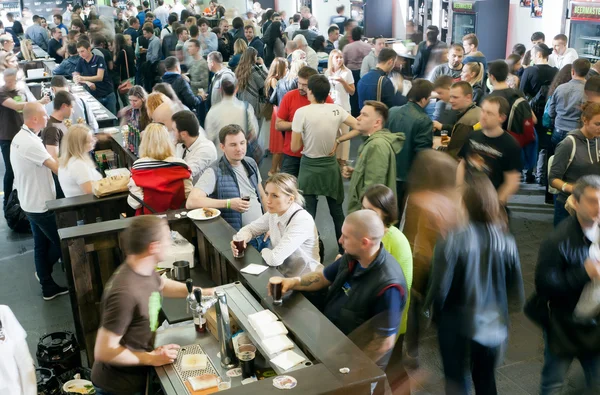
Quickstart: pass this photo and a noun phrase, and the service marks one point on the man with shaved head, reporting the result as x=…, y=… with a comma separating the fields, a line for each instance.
x=33, y=167
x=163, y=114
x=367, y=289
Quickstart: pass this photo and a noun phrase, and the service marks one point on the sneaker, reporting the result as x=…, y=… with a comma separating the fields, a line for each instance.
x=53, y=291
x=36, y=276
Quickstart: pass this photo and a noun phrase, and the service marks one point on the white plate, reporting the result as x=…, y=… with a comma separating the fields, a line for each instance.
x=198, y=214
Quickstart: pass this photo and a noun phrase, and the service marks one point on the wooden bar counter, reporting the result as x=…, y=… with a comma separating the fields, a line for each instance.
x=92, y=252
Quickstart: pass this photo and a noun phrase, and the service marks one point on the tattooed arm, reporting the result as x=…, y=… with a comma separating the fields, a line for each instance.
x=309, y=282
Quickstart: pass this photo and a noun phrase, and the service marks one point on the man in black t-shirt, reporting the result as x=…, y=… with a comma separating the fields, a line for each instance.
x=92, y=72
x=493, y=151
x=56, y=49
x=498, y=72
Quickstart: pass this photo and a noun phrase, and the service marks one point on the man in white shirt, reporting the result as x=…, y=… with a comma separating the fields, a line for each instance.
x=230, y=110
x=177, y=8
x=221, y=73
x=312, y=59
x=562, y=55
x=233, y=185
x=17, y=370
x=198, y=152
x=33, y=167
x=315, y=127
x=162, y=12
x=295, y=25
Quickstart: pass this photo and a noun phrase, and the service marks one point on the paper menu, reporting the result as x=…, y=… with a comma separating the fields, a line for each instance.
x=261, y=317
x=277, y=344
x=254, y=269
x=287, y=360
x=270, y=329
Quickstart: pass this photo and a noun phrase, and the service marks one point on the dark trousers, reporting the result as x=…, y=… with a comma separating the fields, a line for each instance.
x=355, y=111
x=401, y=195
x=458, y=352
x=290, y=165
x=9, y=176
x=560, y=212
x=46, y=245
x=336, y=211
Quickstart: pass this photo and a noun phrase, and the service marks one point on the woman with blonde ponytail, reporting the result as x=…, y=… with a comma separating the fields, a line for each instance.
x=473, y=73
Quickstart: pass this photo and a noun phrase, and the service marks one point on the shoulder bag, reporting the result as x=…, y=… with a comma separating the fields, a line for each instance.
x=126, y=85
x=379, y=85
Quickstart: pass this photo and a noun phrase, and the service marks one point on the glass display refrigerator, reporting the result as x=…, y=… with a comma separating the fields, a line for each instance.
x=487, y=19
x=464, y=20
x=584, y=35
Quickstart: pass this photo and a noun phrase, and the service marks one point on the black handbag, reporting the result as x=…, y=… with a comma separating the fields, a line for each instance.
x=536, y=309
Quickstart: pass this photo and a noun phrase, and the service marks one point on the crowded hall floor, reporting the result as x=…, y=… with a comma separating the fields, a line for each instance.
x=202, y=198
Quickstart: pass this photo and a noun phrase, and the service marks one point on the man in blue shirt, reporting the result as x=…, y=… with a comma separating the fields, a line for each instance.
x=254, y=41
x=369, y=87
x=153, y=54
x=58, y=21
x=37, y=34
x=132, y=30
x=367, y=289
x=92, y=72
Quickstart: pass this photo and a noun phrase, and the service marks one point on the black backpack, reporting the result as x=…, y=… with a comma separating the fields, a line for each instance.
x=15, y=216
x=538, y=102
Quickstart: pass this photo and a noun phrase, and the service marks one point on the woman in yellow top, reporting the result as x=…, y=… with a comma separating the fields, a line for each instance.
x=381, y=199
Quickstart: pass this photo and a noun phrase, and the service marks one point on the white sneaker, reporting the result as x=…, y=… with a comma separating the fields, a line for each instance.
x=36, y=276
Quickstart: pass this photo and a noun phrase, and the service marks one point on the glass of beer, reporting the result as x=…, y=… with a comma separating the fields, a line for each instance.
x=445, y=139
x=276, y=285
x=240, y=246
x=246, y=359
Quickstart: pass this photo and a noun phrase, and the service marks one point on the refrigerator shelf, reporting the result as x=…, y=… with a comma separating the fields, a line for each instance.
x=589, y=38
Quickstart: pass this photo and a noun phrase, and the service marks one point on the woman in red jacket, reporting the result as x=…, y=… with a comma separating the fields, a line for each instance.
x=158, y=179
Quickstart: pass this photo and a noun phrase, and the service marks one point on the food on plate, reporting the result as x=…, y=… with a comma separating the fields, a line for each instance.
x=208, y=213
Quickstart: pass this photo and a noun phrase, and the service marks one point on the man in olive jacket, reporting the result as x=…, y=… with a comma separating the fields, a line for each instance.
x=412, y=120
x=376, y=163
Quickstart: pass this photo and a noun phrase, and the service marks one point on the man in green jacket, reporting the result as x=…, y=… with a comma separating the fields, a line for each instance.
x=412, y=120
x=376, y=163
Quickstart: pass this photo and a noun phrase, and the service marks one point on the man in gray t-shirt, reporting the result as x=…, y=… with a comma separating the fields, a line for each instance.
x=233, y=172
x=454, y=66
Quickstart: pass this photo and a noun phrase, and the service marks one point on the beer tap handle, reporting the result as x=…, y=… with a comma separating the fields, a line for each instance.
x=189, y=283
x=198, y=295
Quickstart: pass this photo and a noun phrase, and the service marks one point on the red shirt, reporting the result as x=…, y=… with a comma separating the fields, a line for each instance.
x=290, y=103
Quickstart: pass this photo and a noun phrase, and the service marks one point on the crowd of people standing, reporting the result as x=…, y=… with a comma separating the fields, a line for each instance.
x=426, y=225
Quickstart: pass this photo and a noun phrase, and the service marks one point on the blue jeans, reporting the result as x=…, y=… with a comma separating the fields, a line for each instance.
x=290, y=165
x=110, y=102
x=458, y=352
x=529, y=154
x=555, y=371
x=558, y=136
x=46, y=245
x=560, y=212
x=100, y=391
x=259, y=243
x=9, y=176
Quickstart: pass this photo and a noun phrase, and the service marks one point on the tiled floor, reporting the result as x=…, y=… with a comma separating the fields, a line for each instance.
x=519, y=374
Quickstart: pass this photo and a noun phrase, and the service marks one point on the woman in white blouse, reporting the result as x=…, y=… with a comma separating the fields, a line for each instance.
x=342, y=86
x=293, y=233
x=76, y=169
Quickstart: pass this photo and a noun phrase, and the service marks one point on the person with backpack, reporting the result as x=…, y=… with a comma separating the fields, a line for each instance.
x=576, y=156
x=521, y=120
x=468, y=114
x=536, y=79
x=565, y=104
x=294, y=241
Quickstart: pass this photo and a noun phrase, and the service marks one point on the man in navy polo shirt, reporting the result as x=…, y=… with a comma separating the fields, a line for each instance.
x=91, y=71
x=367, y=289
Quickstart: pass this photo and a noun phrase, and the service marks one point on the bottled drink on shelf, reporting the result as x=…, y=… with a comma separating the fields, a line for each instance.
x=104, y=162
